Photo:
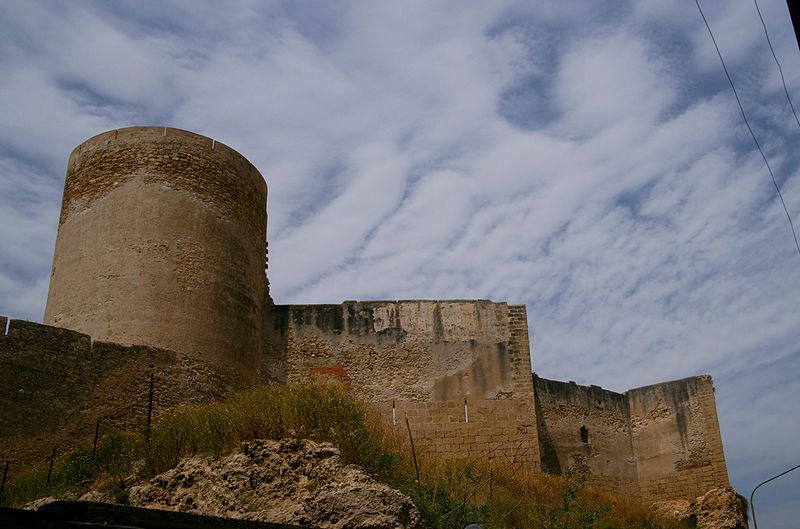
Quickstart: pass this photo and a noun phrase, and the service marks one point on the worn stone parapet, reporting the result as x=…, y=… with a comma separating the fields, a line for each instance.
x=55, y=384
x=519, y=344
x=586, y=424
x=676, y=439
x=181, y=160
x=409, y=350
x=659, y=442
x=430, y=359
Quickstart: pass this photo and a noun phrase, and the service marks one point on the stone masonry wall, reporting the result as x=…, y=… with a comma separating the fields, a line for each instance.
x=676, y=439
x=426, y=358
x=173, y=157
x=56, y=383
x=588, y=424
x=456, y=370
x=502, y=431
x=162, y=242
x=659, y=442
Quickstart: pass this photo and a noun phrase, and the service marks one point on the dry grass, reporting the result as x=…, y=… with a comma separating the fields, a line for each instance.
x=450, y=494
x=503, y=494
x=313, y=411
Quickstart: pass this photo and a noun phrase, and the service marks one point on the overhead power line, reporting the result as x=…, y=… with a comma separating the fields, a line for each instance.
x=746, y=122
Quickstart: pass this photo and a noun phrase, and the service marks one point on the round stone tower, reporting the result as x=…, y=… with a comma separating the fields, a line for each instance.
x=161, y=242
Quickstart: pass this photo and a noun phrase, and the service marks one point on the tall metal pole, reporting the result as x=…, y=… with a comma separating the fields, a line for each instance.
x=753, y=505
x=794, y=12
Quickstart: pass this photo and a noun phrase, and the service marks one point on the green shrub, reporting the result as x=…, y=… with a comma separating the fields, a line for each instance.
x=77, y=469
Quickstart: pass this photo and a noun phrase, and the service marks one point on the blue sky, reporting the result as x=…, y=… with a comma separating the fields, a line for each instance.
x=584, y=158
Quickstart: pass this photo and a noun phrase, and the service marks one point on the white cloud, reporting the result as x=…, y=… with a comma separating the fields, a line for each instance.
x=609, y=82
x=29, y=206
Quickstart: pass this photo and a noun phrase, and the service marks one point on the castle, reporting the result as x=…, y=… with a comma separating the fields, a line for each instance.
x=160, y=267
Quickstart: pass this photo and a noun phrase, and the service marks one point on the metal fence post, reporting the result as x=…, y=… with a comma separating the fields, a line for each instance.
x=414, y=454
x=96, y=433
x=50, y=470
x=149, y=408
x=3, y=484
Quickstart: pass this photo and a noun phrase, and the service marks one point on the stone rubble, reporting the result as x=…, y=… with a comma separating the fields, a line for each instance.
x=289, y=481
x=718, y=508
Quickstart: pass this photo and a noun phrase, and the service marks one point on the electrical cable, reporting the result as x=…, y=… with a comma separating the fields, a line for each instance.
x=746, y=122
x=783, y=80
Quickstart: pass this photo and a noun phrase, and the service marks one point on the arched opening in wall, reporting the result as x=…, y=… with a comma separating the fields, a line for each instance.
x=584, y=434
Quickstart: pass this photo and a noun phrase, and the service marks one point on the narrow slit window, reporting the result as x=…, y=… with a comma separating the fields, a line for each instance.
x=584, y=434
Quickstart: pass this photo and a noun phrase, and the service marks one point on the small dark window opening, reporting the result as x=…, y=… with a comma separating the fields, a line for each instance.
x=584, y=434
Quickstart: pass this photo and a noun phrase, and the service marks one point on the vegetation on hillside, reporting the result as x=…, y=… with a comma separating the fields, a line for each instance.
x=449, y=494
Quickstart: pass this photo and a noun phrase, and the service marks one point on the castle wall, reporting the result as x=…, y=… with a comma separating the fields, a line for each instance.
x=676, y=439
x=658, y=442
x=586, y=424
x=161, y=242
x=426, y=358
x=56, y=383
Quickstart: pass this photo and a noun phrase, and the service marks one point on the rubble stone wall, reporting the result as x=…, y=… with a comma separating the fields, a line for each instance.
x=676, y=439
x=659, y=442
x=586, y=424
x=428, y=359
x=55, y=384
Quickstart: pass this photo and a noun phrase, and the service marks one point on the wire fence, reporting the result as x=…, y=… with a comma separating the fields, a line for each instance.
x=59, y=451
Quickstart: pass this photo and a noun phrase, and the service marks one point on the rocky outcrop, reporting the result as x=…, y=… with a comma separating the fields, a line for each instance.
x=38, y=503
x=288, y=481
x=720, y=508
x=678, y=509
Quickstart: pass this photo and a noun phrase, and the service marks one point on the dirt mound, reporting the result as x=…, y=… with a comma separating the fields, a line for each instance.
x=716, y=509
x=287, y=481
